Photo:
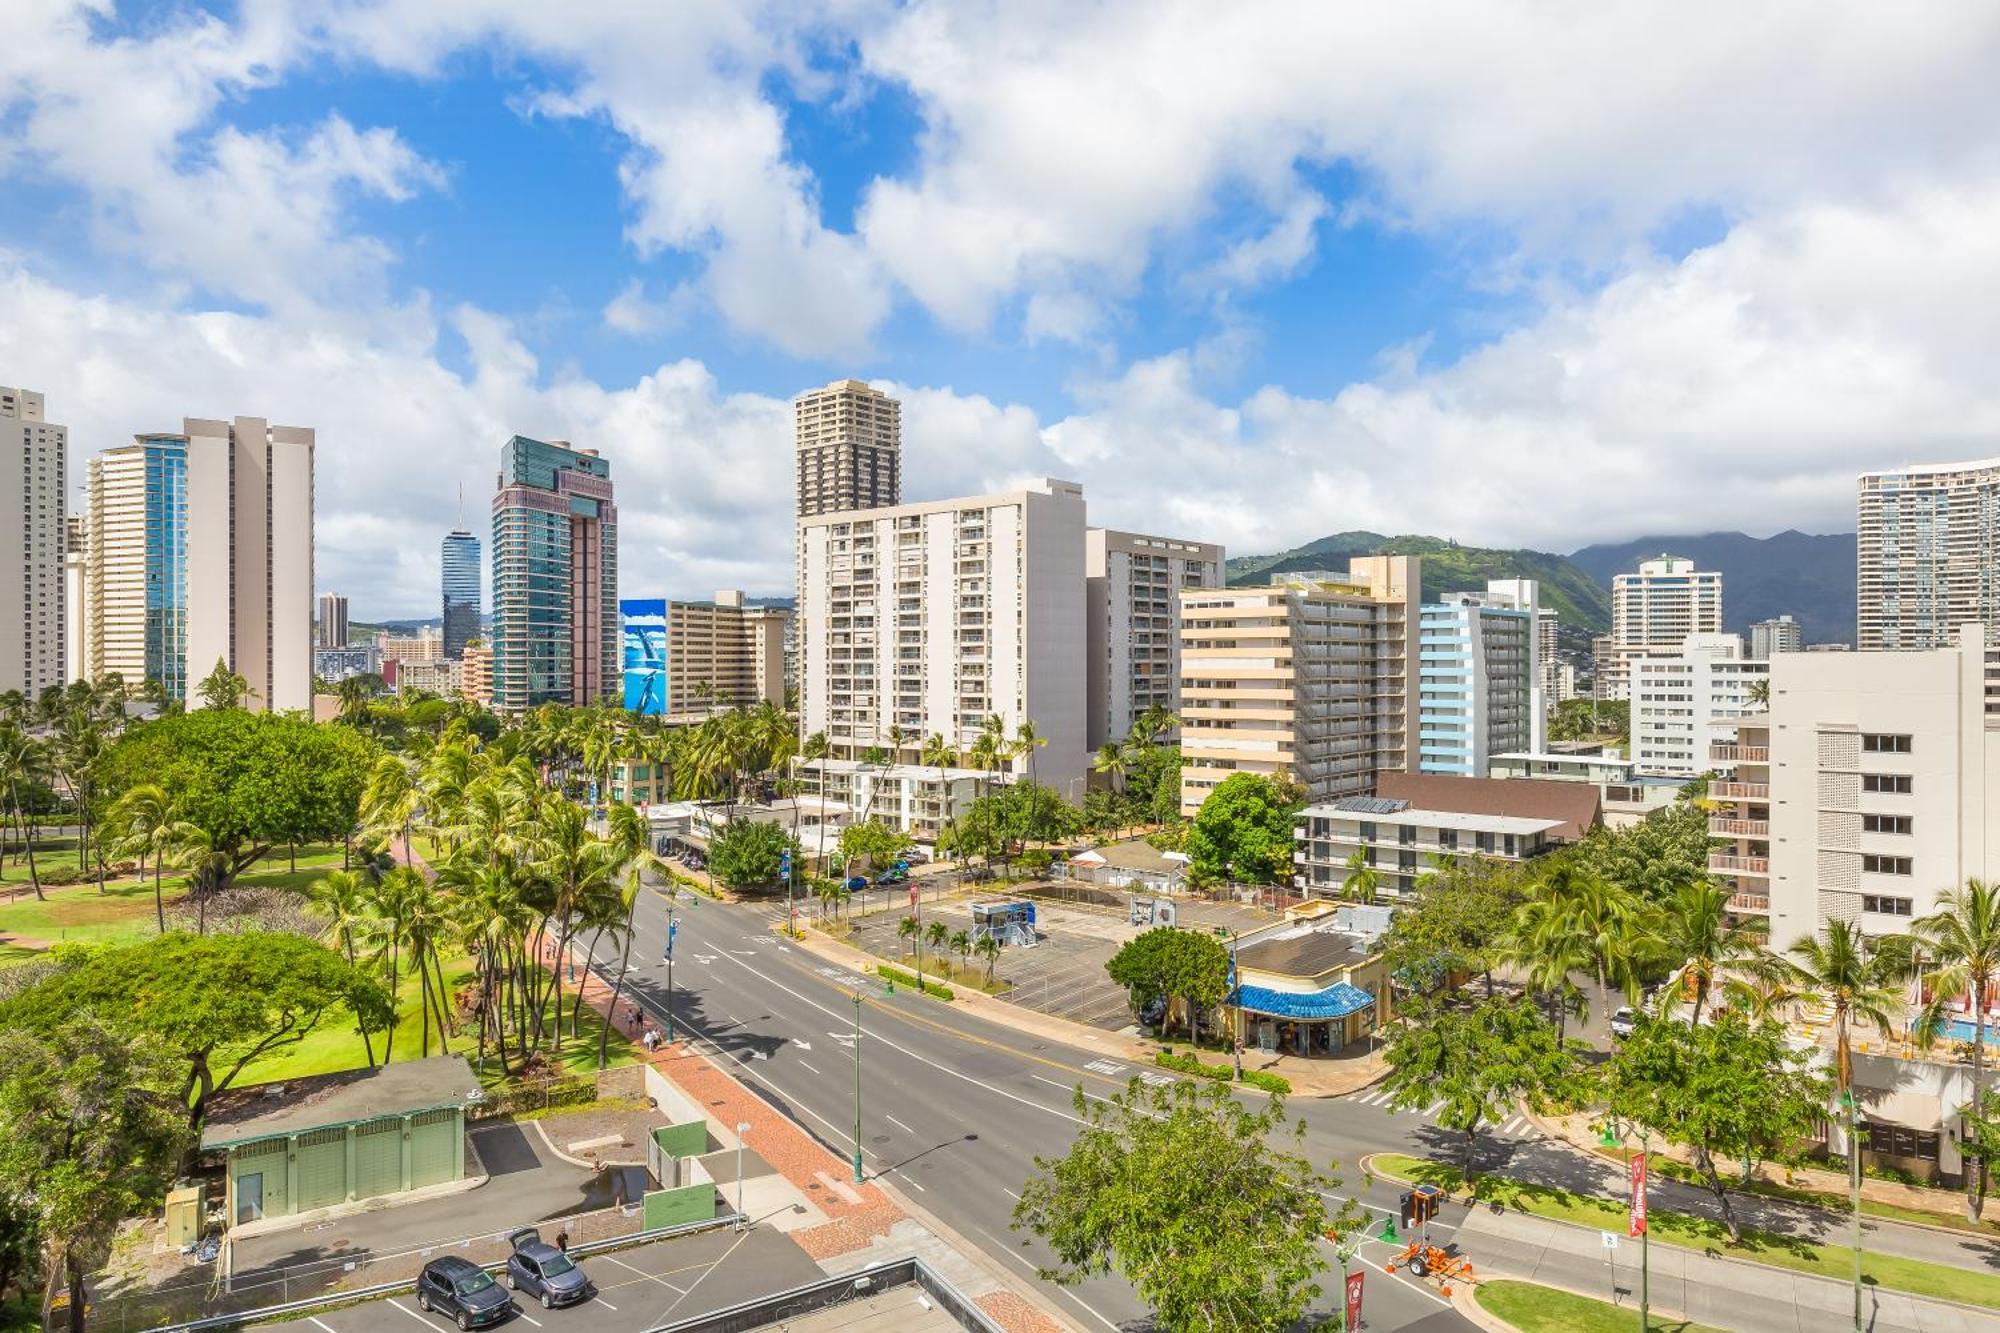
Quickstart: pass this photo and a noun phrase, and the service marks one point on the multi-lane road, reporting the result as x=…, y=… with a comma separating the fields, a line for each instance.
x=954, y=1109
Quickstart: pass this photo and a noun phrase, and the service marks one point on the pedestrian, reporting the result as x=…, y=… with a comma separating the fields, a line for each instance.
x=562, y=1239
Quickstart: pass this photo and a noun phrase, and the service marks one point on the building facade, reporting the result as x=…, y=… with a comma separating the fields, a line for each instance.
x=1399, y=844
x=337, y=664
x=688, y=657
x=555, y=577
x=426, y=645
x=1312, y=676
x=330, y=627
x=439, y=676
x=1780, y=634
x=475, y=675
x=848, y=445
x=927, y=619
x=76, y=598
x=1133, y=604
x=1685, y=703
x=459, y=574
x=1654, y=608
x=33, y=604
x=135, y=566
x=1927, y=560
x=1479, y=678
x=910, y=798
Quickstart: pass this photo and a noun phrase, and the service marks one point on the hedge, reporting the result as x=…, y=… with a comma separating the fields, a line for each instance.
x=930, y=988
x=1188, y=1064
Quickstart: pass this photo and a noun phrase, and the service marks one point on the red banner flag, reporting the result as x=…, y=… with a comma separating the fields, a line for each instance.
x=1638, y=1217
x=913, y=893
x=1353, y=1301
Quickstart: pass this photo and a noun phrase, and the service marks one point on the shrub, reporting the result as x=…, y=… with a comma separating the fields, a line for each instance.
x=59, y=875
x=1187, y=1064
x=930, y=988
x=1258, y=1078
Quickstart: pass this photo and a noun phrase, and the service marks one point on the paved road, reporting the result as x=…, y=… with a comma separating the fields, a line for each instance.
x=955, y=1109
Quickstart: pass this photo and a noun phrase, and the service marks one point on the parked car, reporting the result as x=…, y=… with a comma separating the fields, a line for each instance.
x=916, y=856
x=463, y=1291
x=543, y=1271
x=1154, y=1012
x=891, y=876
x=1624, y=1021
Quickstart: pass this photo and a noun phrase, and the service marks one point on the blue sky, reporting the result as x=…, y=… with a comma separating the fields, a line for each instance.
x=1252, y=275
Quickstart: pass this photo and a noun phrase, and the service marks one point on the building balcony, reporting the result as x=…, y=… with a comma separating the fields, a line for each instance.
x=1727, y=863
x=1740, y=791
x=1723, y=826
x=1726, y=753
x=1750, y=902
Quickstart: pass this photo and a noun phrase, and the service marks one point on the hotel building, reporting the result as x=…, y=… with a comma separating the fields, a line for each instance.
x=1685, y=703
x=1133, y=605
x=555, y=577
x=689, y=657
x=1479, y=678
x=1926, y=559
x=32, y=603
x=1654, y=609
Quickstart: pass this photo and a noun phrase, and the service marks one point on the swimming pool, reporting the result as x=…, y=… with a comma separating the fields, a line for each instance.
x=1960, y=1029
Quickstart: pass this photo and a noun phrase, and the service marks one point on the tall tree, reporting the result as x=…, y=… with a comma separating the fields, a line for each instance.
x=342, y=898
x=1243, y=831
x=21, y=758
x=1694, y=929
x=1859, y=979
x=142, y=822
x=1226, y=1237
x=1962, y=940
x=223, y=688
x=1480, y=1059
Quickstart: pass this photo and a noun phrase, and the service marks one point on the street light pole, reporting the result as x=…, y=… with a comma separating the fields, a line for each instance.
x=1854, y=1197
x=742, y=1129
x=673, y=926
x=1645, y=1236
x=857, y=1086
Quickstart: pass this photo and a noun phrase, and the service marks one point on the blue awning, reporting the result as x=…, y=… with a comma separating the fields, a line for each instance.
x=1336, y=1001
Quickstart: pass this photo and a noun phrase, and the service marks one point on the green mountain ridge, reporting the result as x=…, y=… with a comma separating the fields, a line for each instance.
x=1583, y=604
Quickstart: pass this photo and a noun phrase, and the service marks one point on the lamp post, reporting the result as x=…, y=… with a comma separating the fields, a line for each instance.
x=1236, y=1047
x=673, y=928
x=857, y=1086
x=742, y=1130
x=1854, y=1193
x=1614, y=1138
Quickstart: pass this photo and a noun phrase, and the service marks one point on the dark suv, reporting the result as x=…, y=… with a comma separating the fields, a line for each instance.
x=543, y=1271
x=463, y=1290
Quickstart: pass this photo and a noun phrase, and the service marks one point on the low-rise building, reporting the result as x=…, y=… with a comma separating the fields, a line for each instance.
x=1313, y=984
x=1625, y=797
x=1686, y=701
x=439, y=676
x=909, y=798
x=1401, y=844
x=640, y=782
x=336, y=664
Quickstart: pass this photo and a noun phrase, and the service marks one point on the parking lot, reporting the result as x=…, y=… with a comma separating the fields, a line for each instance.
x=1063, y=974
x=638, y=1288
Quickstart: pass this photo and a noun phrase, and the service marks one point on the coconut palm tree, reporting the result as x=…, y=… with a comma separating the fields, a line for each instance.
x=1610, y=920
x=1695, y=929
x=342, y=897
x=1860, y=980
x=391, y=800
x=988, y=950
x=390, y=901
x=1547, y=946
x=142, y=823
x=21, y=759
x=576, y=865
x=1962, y=939
x=961, y=944
x=1361, y=881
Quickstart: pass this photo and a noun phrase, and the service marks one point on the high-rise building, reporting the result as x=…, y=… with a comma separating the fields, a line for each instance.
x=849, y=445
x=1311, y=676
x=35, y=451
x=1779, y=635
x=1654, y=609
x=250, y=557
x=76, y=598
x=1548, y=657
x=685, y=657
x=135, y=569
x=926, y=619
x=1133, y=605
x=475, y=677
x=460, y=565
x=1927, y=561
x=555, y=577
x=426, y=645
x=332, y=626
x=1686, y=703
x=1479, y=678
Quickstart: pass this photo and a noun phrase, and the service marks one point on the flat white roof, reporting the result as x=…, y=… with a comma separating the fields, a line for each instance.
x=1544, y=757
x=1451, y=819
x=921, y=772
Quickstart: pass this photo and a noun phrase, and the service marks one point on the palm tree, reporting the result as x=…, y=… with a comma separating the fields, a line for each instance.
x=1759, y=693
x=391, y=800
x=907, y=929
x=342, y=897
x=1546, y=945
x=988, y=949
x=142, y=823
x=207, y=866
x=1695, y=928
x=938, y=934
x=1859, y=979
x=576, y=866
x=20, y=764
x=1609, y=919
x=1361, y=881
x=390, y=901
x=1962, y=937
x=961, y=944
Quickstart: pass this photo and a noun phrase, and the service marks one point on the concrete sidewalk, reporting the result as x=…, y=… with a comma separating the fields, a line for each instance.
x=1722, y=1292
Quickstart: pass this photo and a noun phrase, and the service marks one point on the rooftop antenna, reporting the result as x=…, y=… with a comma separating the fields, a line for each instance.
x=461, y=506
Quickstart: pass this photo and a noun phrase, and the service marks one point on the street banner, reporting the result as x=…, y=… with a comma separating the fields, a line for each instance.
x=1638, y=1217
x=1353, y=1301
x=913, y=893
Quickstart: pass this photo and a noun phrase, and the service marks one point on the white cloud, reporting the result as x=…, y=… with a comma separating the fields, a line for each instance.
x=633, y=312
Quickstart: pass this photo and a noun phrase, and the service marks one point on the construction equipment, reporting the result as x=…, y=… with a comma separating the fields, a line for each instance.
x=1428, y=1261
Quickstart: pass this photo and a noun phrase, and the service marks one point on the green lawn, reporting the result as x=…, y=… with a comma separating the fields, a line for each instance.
x=1949, y=1213
x=1537, y=1309
x=124, y=911
x=1696, y=1233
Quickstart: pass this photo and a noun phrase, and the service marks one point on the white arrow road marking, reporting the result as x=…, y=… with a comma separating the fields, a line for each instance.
x=803, y=1045
x=845, y=1039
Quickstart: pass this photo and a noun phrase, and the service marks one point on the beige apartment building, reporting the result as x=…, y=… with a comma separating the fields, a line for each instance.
x=925, y=619
x=1133, y=603
x=32, y=603
x=1871, y=785
x=438, y=675
x=1311, y=676
x=475, y=673
x=76, y=598
x=1926, y=561
x=1654, y=609
x=426, y=645
x=723, y=653
x=849, y=445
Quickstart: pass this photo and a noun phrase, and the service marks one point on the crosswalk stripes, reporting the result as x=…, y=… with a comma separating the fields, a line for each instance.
x=1515, y=1127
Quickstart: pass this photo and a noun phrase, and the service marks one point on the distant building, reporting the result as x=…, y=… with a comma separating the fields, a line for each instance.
x=35, y=453
x=337, y=664
x=459, y=563
x=910, y=798
x=475, y=677
x=1479, y=678
x=332, y=621
x=1654, y=609
x=1684, y=703
x=76, y=597
x=555, y=577
x=1927, y=561
x=1779, y=635
x=135, y=567
x=848, y=449
x=686, y=657
x=439, y=676
x=426, y=645
x=1132, y=603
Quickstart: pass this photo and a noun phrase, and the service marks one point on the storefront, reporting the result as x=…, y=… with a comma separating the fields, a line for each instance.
x=1310, y=987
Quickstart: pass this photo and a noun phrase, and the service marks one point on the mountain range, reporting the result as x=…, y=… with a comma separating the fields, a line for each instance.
x=1807, y=576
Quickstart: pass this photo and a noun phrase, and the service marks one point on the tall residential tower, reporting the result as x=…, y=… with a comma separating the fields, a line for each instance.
x=332, y=621
x=1653, y=610
x=31, y=544
x=1927, y=556
x=849, y=441
x=555, y=577
x=460, y=566
x=1133, y=602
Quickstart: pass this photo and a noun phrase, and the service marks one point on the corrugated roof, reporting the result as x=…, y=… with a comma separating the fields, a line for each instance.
x=322, y=1101
x=1336, y=1001
x=1305, y=951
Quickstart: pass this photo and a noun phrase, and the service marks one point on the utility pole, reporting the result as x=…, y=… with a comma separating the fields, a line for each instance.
x=857, y=1085
x=1854, y=1195
x=673, y=928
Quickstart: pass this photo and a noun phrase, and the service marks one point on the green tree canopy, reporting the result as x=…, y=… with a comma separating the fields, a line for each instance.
x=1728, y=1089
x=1191, y=1196
x=1480, y=1059
x=1175, y=964
x=747, y=854
x=247, y=781
x=214, y=1001
x=1243, y=831
x=1455, y=923
x=873, y=843
x=1653, y=858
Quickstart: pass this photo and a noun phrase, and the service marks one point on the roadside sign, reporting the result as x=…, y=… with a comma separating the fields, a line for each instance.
x=1610, y=1239
x=1636, y=1221
x=913, y=893
x=1354, y=1300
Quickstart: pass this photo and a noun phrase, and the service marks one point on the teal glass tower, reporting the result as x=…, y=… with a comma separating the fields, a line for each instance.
x=555, y=577
x=461, y=592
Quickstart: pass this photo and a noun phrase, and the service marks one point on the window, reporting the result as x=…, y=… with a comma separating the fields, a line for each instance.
x=1885, y=906
x=1902, y=1141
x=1879, y=743
x=1885, y=824
x=1895, y=783
x=1886, y=865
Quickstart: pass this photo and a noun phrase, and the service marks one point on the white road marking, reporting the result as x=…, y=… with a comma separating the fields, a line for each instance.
x=1010, y=1194
x=809, y=1069
x=911, y=1181
x=607, y=1305
x=412, y=1314
x=322, y=1323
x=898, y=1124
x=1405, y=1283
x=803, y=1045
x=530, y=1318
x=760, y=1055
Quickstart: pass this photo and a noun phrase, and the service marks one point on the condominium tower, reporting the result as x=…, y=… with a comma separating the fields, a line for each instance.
x=684, y=657
x=1780, y=634
x=135, y=570
x=36, y=451
x=76, y=597
x=1927, y=556
x=555, y=576
x=1655, y=608
x=460, y=565
x=1311, y=676
x=1480, y=689
x=849, y=444
x=332, y=621
x=926, y=619
x=1133, y=605
x=1687, y=703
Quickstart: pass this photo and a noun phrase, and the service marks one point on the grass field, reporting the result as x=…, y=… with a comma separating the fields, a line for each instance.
x=124, y=911
x=1534, y=1308
x=1696, y=1233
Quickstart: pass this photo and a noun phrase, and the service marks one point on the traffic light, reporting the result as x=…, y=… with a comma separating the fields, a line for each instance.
x=1406, y=1209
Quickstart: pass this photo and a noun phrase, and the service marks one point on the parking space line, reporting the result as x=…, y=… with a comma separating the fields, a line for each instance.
x=606, y=1304
x=809, y=1069
x=322, y=1323
x=421, y=1319
x=525, y=1315
x=898, y=1124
